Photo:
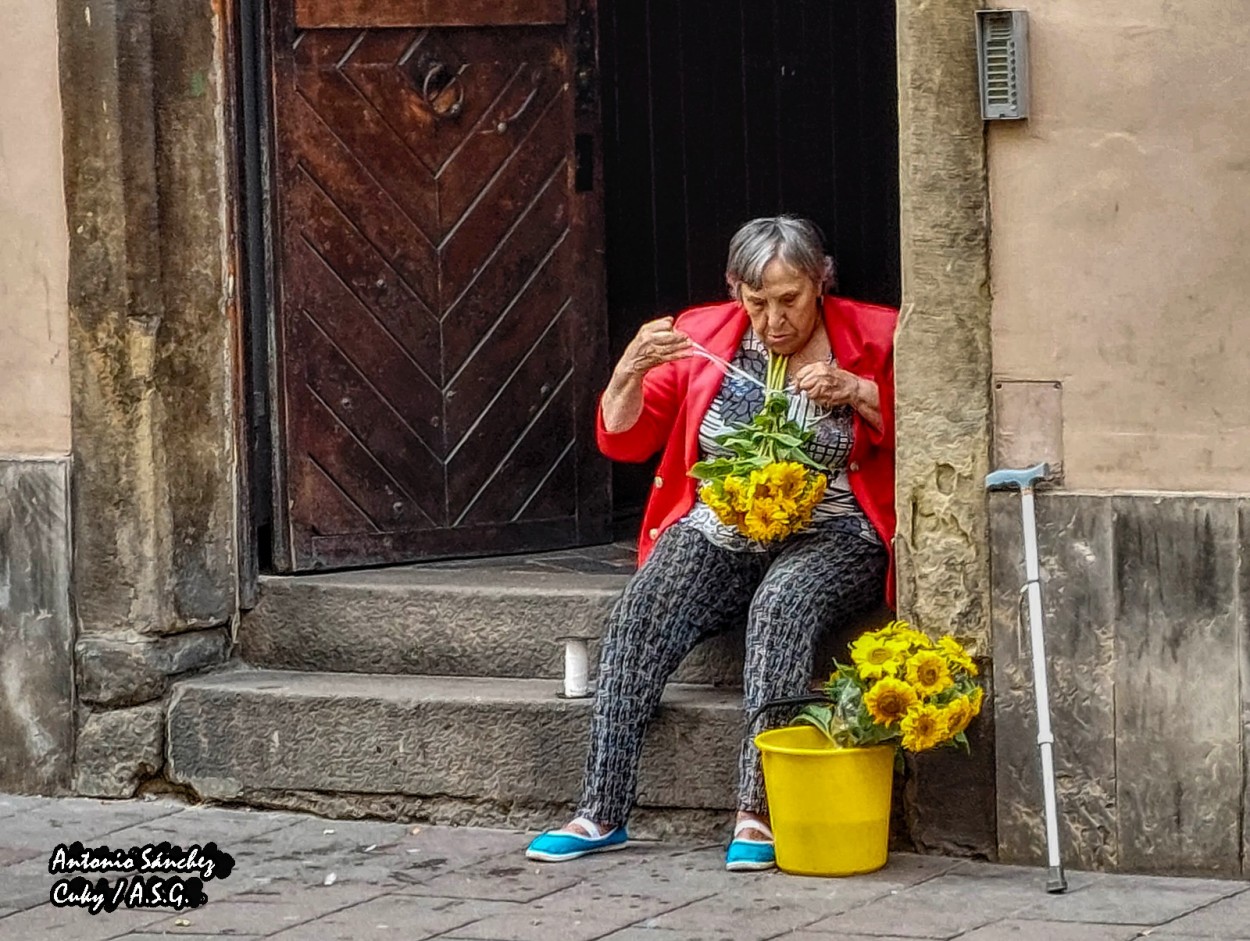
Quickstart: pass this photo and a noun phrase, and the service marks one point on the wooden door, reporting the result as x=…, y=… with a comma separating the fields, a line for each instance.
x=440, y=324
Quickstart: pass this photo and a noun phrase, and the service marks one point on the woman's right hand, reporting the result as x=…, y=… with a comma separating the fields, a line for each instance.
x=655, y=343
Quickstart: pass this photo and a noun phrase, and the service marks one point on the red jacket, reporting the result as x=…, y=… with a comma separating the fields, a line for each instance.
x=677, y=395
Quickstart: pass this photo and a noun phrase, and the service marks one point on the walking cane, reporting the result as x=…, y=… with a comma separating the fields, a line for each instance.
x=1025, y=480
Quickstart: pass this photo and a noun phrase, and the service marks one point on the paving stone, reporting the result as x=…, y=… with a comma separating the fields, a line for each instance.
x=405, y=917
x=242, y=918
x=1228, y=918
x=676, y=880
x=11, y=854
x=1142, y=900
x=579, y=913
x=475, y=885
x=909, y=869
x=175, y=933
x=312, y=848
x=317, y=898
x=937, y=908
x=43, y=822
x=751, y=914
x=904, y=920
x=842, y=936
x=258, y=865
x=1011, y=930
x=517, y=881
x=229, y=829
x=15, y=804
x=1030, y=880
x=645, y=933
x=47, y=923
x=406, y=842
x=24, y=887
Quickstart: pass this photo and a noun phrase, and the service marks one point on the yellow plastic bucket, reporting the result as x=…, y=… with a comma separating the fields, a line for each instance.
x=829, y=806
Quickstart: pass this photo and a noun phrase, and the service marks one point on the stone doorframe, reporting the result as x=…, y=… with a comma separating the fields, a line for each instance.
x=153, y=340
x=156, y=348
x=942, y=356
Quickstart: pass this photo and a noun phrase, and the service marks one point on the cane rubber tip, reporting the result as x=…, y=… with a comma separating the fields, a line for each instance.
x=1056, y=882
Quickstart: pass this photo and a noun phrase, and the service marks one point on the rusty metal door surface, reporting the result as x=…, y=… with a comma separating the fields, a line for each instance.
x=440, y=325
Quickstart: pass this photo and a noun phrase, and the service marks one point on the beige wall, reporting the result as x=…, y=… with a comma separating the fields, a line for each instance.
x=34, y=365
x=1120, y=249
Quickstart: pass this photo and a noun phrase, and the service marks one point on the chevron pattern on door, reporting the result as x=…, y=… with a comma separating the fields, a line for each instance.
x=432, y=302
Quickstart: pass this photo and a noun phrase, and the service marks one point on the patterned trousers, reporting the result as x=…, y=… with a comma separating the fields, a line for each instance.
x=690, y=589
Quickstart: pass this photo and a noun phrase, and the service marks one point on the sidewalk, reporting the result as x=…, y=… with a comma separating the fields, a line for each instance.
x=303, y=878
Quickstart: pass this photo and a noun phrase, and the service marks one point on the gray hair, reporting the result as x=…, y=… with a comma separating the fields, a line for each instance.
x=796, y=242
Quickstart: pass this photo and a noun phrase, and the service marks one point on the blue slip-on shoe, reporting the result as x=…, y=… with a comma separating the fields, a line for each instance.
x=751, y=855
x=557, y=846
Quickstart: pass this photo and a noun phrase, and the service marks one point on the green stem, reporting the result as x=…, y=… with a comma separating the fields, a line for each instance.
x=776, y=380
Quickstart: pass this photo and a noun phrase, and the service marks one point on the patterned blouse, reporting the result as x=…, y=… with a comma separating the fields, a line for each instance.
x=736, y=403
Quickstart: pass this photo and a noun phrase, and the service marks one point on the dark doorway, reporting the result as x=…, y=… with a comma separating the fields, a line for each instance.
x=718, y=111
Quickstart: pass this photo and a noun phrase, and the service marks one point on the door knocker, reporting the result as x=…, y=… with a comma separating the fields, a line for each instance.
x=438, y=79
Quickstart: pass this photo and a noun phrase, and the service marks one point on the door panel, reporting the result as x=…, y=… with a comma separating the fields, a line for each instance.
x=323, y=14
x=440, y=324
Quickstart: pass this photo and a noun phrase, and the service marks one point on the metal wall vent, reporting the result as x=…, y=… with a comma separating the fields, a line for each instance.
x=1003, y=64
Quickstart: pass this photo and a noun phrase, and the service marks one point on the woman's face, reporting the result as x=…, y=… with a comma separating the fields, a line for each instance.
x=784, y=310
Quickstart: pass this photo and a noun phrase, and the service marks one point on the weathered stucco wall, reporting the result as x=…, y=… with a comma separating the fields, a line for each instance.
x=1120, y=220
x=34, y=365
x=36, y=625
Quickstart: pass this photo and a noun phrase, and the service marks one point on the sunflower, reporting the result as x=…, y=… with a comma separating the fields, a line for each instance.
x=924, y=726
x=790, y=478
x=929, y=672
x=735, y=491
x=760, y=521
x=901, y=630
x=759, y=485
x=958, y=714
x=877, y=656
x=713, y=494
x=956, y=655
x=888, y=700
x=815, y=492
x=975, y=698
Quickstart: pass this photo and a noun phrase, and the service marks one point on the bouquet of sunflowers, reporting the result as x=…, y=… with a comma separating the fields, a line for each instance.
x=900, y=687
x=768, y=487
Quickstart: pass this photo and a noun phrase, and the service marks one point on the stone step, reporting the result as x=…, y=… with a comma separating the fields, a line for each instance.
x=463, y=750
x=426, y=620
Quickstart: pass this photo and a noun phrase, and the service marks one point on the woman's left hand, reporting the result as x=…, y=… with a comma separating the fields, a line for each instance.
x=829, y=387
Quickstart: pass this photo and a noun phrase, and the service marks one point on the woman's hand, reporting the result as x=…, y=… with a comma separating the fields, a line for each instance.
x=829, y=386
x=656, y=343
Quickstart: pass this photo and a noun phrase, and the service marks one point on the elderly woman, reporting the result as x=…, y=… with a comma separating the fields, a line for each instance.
x=697, y=576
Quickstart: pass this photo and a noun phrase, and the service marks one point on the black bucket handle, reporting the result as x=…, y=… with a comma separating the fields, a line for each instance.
x=810, y=699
